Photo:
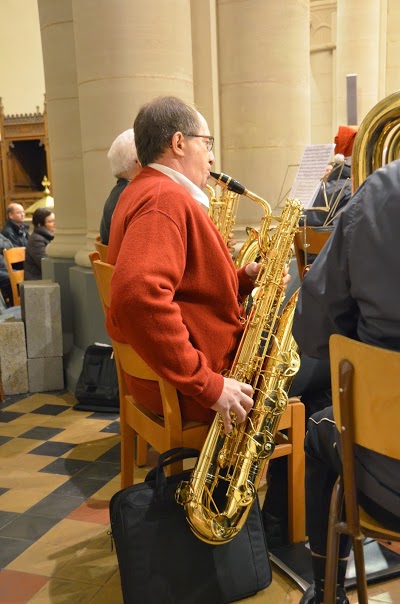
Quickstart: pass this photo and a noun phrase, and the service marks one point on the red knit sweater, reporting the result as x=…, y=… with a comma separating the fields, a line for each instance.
x=174, y=293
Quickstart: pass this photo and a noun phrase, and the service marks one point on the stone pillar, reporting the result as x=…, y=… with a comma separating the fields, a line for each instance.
x=127, y=52
x=57, y=32
x=393, y=47
x=265, y=95
x=361, y=35
x=323, y=66
x=205, y=68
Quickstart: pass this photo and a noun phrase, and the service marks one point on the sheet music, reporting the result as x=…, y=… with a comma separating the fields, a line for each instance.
x=311, y=170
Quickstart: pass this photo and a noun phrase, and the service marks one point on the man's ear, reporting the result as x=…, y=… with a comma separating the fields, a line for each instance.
x=178, y=143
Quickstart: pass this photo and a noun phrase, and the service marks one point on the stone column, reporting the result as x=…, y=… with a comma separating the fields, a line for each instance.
x=360, y=38
x=264, y=55
x=127, y=52
x=393, y=47
x=57, y=32
x=323, y=66
x=205, y=68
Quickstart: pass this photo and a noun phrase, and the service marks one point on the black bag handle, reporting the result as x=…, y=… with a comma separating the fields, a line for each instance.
x=166, y=459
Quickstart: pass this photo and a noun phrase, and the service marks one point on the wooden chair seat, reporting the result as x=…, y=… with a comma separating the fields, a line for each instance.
x=13, y=256
x=101, y=248
x=365, y=387
x=308, y=240
x=162, y=433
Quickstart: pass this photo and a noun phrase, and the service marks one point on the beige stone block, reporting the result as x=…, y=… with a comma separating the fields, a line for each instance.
x=13, y=365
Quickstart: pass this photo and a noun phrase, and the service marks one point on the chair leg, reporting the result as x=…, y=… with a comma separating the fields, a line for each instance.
x=360, y=571
x=332, y=545
x=127, y=455
x=141, y=451
x=296, y=477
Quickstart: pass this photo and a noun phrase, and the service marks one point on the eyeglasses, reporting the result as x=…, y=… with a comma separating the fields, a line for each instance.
x=209, y=139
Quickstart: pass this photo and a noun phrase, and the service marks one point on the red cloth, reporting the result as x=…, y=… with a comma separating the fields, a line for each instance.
x=344, y=140
x=174, y=293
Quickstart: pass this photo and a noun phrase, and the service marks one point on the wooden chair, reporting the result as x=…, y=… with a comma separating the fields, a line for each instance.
x=308, y=240
x=292, y=444
x=141, y=444
x=161, y=433
x=365, y=390
x=13, y=256
x=101, y=248
x=170, y=432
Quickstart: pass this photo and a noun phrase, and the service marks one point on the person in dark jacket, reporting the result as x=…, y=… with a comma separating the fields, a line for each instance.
x=338, y=296
x=124, y=166
x=5, y=285
x=333, y=195
x=44, y=224
x=15, y=229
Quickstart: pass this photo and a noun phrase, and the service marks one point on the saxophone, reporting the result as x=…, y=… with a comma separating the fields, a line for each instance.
x=218, y=496
x=223, y=210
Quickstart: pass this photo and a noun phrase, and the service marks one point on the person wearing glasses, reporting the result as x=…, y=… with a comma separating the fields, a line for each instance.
x=175, y=293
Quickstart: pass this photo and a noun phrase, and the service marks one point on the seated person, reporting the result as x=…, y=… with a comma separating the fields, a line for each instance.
x=5, y=285
x=333, y=195
x=336, y=188
x=43, y=232
x=368, y=311
x=175, y=290
x=124, y=167
x=15, y=229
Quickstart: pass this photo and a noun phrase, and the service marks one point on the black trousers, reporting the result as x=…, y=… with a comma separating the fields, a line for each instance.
x=323, y=466
x=5, y=285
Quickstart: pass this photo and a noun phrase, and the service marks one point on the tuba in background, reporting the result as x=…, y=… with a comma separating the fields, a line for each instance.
x=378, y=139
x=223, y=485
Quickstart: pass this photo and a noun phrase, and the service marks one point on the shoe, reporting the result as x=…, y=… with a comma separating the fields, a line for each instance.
x=309, y=596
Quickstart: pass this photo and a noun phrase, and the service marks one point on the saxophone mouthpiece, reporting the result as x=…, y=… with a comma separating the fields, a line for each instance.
x=230, y=183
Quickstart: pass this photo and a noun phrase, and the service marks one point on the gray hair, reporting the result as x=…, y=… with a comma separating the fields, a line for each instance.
x=157, y=122
x=122, y=154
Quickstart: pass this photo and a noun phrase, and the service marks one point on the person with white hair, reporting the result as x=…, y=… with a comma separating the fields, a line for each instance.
x=124, y=167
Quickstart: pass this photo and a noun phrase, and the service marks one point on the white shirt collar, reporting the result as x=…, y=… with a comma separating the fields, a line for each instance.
x=197, y=194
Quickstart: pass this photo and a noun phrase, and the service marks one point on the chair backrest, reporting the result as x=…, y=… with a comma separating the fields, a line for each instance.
x=128, y=360
x=370, y=381
x=308, y=240
x=13, y=256
x=101, y=248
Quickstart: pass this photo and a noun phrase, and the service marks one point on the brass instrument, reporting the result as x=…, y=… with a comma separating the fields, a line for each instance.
x=223, y=485
x=223, y=210
x=249, y=250
x=377, y=141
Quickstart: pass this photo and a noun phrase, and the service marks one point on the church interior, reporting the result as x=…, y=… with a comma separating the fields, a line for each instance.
x=272, y=79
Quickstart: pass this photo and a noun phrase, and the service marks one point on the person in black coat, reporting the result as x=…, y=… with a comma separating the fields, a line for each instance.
x=364, y=242
x=15, y=230
x=334, y=194
x=44, y=224
x=5, y=285
x=124, y=166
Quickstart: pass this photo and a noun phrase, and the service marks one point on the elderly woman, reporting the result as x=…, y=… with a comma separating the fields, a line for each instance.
x=44, y=224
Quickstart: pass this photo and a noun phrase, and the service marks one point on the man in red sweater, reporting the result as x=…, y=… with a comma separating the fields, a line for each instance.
x=175, y=293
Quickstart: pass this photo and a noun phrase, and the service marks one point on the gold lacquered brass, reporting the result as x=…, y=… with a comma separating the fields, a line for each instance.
x=377, y=141
x=223, y=485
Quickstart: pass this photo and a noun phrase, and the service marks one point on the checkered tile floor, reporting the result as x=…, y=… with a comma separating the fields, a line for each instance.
x=59, y=467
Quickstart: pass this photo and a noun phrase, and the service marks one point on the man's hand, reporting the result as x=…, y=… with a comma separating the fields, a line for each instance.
x=252, y=269
x=285, y=277
x=231, y=243
x=236, y=398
